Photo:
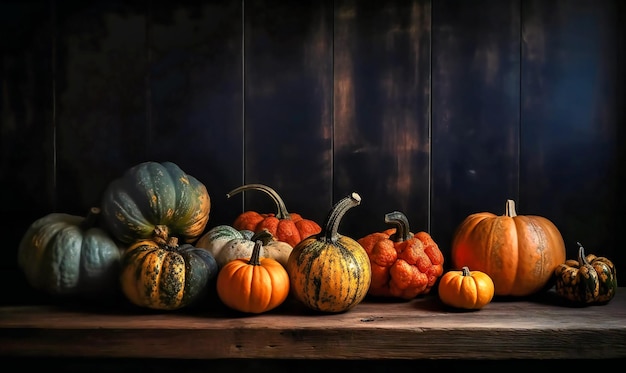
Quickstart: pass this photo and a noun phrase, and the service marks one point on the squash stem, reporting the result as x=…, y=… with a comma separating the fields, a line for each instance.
x=255, y=258
x=91, y=219
x=160, y=235
x=282, y=212
x=264, y=235
x=510, y=208
x=400, y=221
x=466, y=271
x=335, y=215
x=172, y=243
x=581, y=255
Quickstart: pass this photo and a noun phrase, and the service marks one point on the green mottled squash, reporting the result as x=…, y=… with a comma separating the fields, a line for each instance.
x=160, y=274
x=588, y=280
x=151, y=194
x=62, y=254
x=330, y=272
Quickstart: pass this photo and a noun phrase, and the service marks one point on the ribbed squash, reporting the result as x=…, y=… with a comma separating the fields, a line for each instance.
x=330, y=272
x=286, y=227
x=218, y=237
x=226, y=243
x=404, y=264
x=151, y=194
x=518, y=252
x=63, y=254
x=588, y=280
x=466, y=289
x=161, y=274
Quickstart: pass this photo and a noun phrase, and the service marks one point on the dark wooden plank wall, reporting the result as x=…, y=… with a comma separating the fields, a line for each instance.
x=437, y=109
x=475, y=116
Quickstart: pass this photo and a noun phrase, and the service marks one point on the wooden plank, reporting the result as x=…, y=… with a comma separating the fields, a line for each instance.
x=475, y=111
x=100, y=98
x=195, y=95
x=288, y=112
x=27, y=148
x=572, y=143
x=381, y=111
x=543, y=327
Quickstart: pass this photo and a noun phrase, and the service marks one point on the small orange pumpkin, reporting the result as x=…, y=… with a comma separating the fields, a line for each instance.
x=286, y=227
x=466, y=289
x=518, y=252
x=253, y=285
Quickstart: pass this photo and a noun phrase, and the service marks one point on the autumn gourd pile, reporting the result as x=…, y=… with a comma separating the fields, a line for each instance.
x=150, y=240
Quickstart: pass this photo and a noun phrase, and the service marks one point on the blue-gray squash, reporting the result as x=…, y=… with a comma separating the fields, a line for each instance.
x=68, y=255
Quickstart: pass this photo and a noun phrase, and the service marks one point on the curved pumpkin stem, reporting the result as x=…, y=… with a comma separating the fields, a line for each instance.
x=282, y=212
x=91, y=219
x=329, y=233
x=255, y=258
x=264, y=235
x=400, y=221
x=582, y=259
x=510, y=208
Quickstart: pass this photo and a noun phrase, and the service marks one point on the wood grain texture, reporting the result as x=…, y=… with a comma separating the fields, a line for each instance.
x=572, y=106
x=381, y=136
x=288, y=114
x=194, y=99
x=27, y=159
x=475, y=111
x=540, y=328
x=100, y=108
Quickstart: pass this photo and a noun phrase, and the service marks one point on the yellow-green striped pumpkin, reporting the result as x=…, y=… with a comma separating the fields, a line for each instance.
x=330, y=272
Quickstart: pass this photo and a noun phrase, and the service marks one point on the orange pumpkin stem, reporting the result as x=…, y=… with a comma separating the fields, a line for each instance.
x=282, y=212
x=401, y=222
x=510, y=208
x=331, y=225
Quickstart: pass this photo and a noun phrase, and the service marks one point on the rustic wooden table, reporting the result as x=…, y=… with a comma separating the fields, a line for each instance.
x=540, y=328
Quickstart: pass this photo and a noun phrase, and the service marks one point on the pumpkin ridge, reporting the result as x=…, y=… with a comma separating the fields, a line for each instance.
x=127, y=217
x=66, y=245
x=132, y=264
x=154, y=193
x=171, y=280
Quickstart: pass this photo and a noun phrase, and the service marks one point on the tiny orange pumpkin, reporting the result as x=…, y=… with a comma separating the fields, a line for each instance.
x=466, y=289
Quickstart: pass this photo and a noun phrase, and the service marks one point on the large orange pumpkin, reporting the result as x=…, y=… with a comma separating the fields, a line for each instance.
x=518, y=252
